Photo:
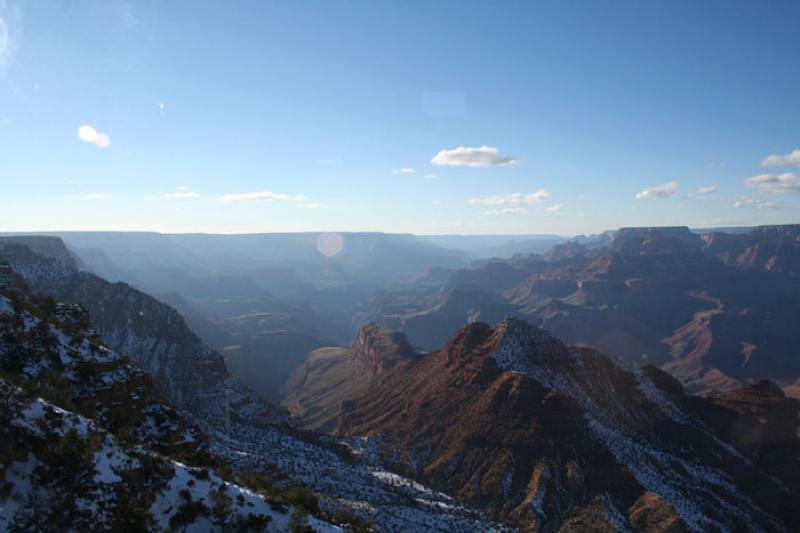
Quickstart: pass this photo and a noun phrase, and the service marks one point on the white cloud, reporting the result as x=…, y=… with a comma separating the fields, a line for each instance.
x=90, y=135
x=516, y=198
x=405, y=170
x=792, y=158
x=431, y=176
x=716, y=164
x=182, y=195
x=264, y=196
x=774, y=184
x=89, y=196
x=750, y=201
x=667, y=190
x=702, y=193
x=508, y=211
x=87, y=134
x=437, y=202
x=555, y=208
x=464, y=156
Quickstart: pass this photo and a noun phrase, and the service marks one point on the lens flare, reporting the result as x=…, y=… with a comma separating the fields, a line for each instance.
x=330, y=244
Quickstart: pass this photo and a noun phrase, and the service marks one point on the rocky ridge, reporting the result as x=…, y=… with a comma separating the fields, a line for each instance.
x=514, y=422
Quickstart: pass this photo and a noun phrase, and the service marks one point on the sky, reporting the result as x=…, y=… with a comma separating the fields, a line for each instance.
x=429, y=116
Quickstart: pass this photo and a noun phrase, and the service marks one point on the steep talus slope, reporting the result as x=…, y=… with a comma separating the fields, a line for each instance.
x=511, y=420
x=330, y=376
x=49, y=346
x=87, y=442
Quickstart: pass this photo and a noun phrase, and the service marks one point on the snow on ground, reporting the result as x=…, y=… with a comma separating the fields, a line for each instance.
x=200, y=486
x=658, y=470
x=111, y=461
x=5, y=306
x=394, y=502
x=18, y=475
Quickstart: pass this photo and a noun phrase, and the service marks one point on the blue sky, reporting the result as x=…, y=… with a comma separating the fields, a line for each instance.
x=426, y=117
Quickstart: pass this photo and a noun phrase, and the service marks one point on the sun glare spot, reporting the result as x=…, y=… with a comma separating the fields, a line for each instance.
x=330, y=244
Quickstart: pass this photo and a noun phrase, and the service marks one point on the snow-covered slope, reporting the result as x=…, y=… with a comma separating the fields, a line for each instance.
x=73, y=473
x=102, y=451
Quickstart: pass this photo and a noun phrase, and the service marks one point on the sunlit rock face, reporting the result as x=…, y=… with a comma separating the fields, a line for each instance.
x=511, y=420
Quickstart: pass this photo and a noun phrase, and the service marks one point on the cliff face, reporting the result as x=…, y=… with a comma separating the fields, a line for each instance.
x=50, y=345
x=656, y=241
x=188, y=373
x=773, y=248
x=511, y=420
x=331, y=376
x=378, y=350
x=87, y=442
x=50, y=247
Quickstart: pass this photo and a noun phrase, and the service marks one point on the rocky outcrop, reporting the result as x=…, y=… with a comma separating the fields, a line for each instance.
x=317, y=390
x=509, y=419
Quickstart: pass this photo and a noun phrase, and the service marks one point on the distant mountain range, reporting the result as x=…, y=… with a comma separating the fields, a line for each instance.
x=715, y=309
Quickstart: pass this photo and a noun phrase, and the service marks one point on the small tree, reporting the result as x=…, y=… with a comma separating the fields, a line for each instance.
x=221, y=506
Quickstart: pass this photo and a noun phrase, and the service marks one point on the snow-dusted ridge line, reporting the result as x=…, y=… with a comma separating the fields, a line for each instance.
x=368, y=490
x=652, y=467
